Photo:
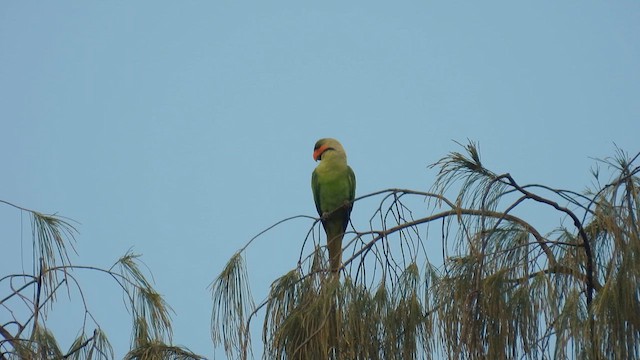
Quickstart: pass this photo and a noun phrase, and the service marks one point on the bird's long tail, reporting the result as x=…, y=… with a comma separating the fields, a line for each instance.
x=334, y=245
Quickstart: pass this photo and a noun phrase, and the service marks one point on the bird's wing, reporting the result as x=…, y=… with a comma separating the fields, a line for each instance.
x=352, y=183
x=315, y=188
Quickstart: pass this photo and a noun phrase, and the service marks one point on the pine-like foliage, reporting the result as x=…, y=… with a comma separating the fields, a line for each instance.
x=502, y=286
x=28, y=297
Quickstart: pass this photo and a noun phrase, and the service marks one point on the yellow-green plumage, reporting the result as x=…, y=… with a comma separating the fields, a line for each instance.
x=334, y=188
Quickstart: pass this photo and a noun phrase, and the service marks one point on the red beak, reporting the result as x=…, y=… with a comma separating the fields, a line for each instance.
x=317, y=153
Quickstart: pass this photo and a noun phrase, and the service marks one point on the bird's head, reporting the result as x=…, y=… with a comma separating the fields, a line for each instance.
x=327, y=144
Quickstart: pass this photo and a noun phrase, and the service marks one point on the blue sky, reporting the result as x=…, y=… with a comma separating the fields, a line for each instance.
x=182, y=129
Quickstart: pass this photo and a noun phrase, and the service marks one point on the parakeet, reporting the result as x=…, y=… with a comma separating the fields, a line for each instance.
x=334, y=187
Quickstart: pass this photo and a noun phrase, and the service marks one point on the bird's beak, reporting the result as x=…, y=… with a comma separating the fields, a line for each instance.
x=317, y=153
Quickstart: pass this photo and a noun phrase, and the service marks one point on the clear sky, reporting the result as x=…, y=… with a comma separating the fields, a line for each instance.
x=182, y=129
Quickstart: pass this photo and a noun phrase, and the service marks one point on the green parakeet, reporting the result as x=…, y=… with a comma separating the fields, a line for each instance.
x=334, y=188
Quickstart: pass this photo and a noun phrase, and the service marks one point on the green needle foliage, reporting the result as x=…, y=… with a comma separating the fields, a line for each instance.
x=501, y=287
x=233, y=298
x=28, y=297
